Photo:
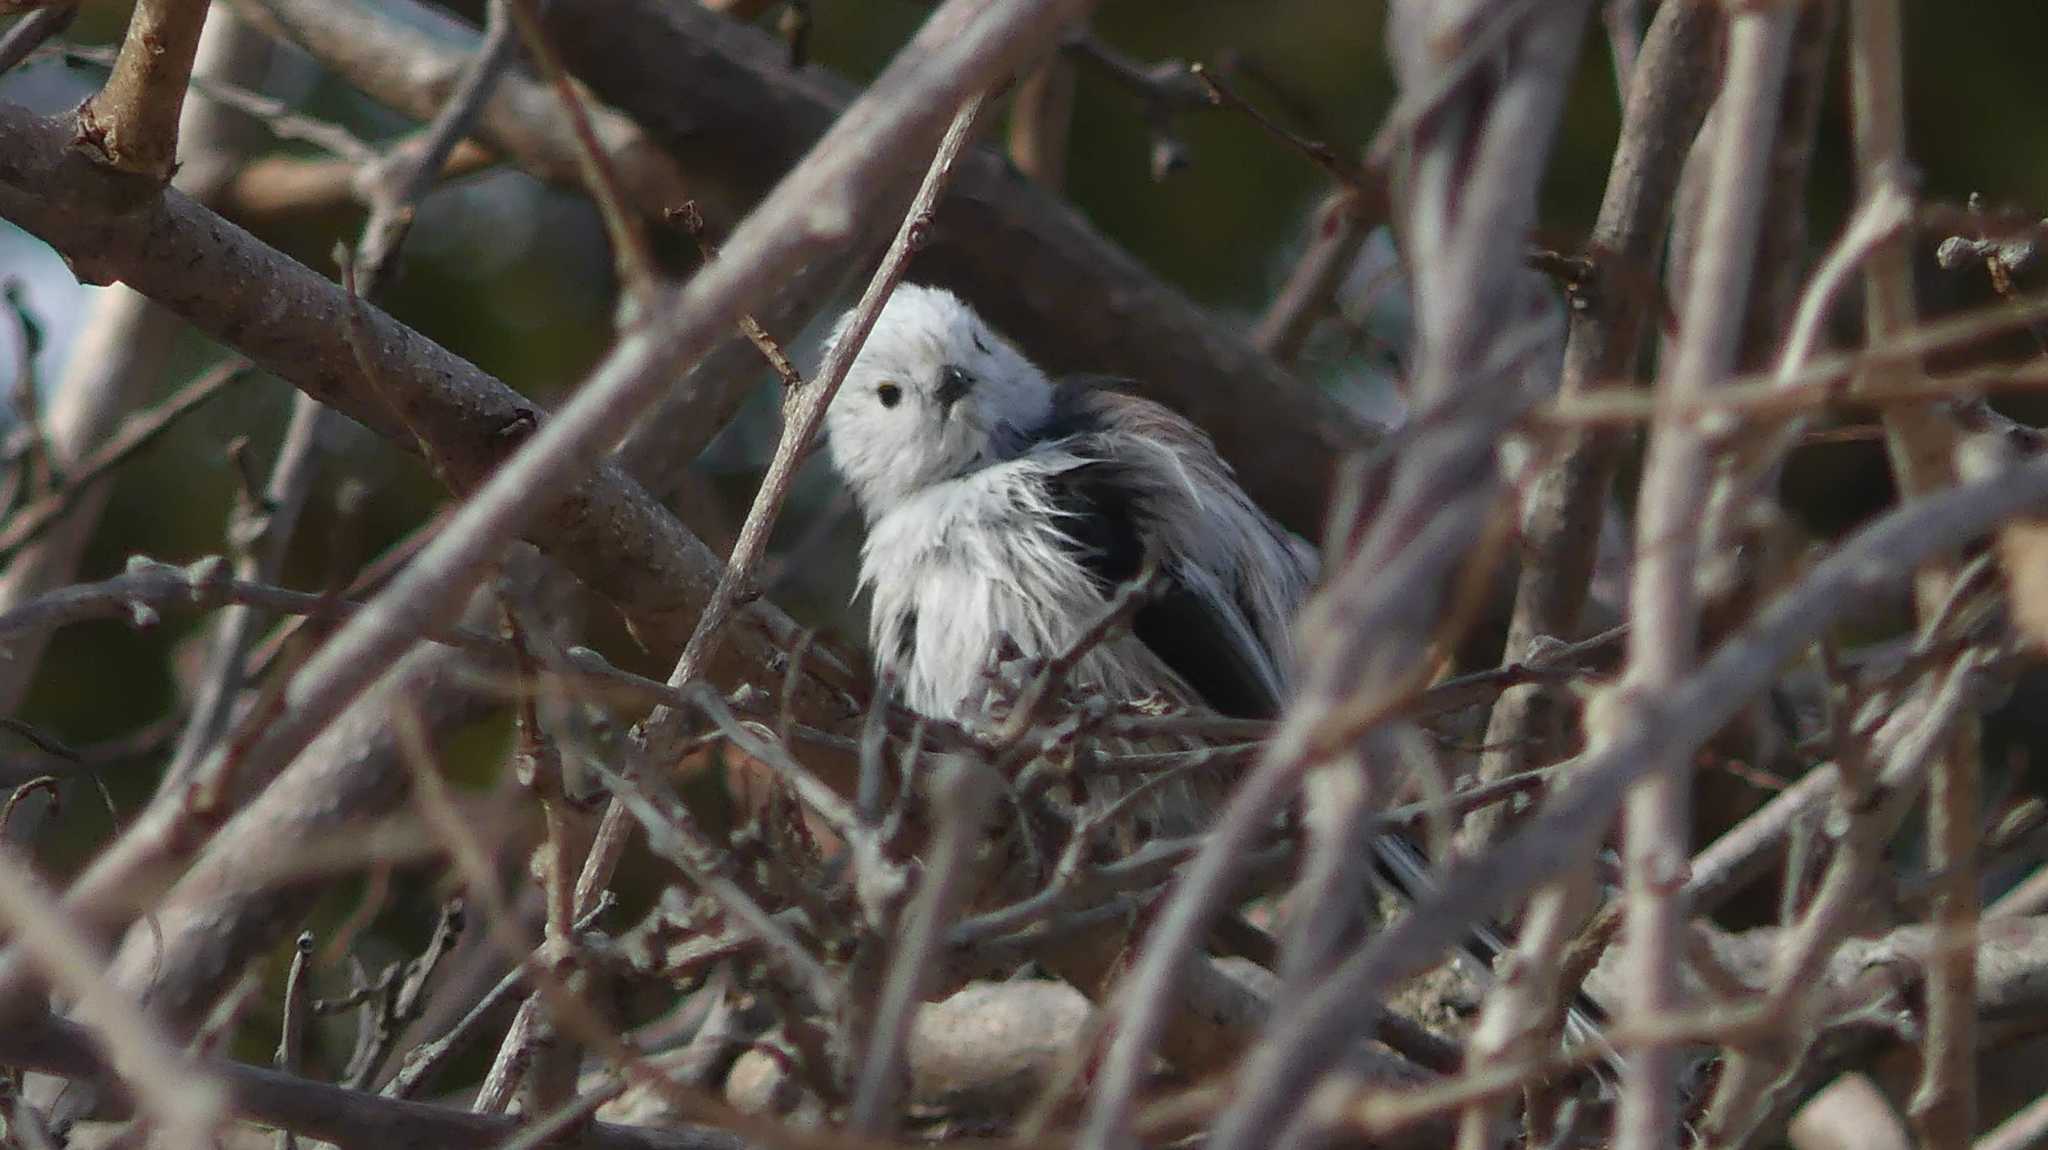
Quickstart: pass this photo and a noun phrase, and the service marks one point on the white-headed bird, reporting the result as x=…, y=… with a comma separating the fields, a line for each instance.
x=1000, y=504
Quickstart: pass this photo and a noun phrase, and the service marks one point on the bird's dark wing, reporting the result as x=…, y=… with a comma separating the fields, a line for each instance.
x=1185, y=624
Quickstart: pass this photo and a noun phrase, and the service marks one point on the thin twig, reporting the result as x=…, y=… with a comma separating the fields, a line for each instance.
x=31, y=31
x=148, y=587
x=961, y=795
x=404, y=1000
x=1337, y=231
x=625, y=228
x=1344, y=171
x=1565, y=511
x=1921, y=444
x=327, y=1113
x=692, y=220
x=673, y=835
x=276, y=115
x=135, y=434
x=1664, y=603
x=291, y=1041
x=261, y=531
x=426, y=1060
x=401, y=178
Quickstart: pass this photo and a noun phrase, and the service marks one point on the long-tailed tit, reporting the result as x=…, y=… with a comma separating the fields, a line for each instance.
x=1001, y=505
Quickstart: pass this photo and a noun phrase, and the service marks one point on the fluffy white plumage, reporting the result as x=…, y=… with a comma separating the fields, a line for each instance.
x=1000, y=504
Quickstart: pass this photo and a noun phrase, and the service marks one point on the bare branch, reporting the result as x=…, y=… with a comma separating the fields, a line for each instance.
x=346, y=1117
x=185, y=1099
x=961, y=796
x=1921, y=446
x=1562, y=515
x=1654, y=731
x=627, y=231
x=1374, y=620
x=132, y=124
x=1665, y=609
x=135, y=434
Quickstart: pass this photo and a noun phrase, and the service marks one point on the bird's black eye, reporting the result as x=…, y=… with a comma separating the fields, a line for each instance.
x=889, y=394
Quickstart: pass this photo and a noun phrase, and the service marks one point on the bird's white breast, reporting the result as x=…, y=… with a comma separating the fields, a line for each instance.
x=965, y=562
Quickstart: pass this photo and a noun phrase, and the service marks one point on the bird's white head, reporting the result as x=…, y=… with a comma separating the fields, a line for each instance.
x=934, y=394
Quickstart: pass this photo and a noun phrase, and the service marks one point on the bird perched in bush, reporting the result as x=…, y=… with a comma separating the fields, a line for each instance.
x=1001, y=505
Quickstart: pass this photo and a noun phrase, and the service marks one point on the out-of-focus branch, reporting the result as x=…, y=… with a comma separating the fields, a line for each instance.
x=1669, y=87
x=31, y=31
x=342, y=1116
x=27, y=524
x=228, y=905
x=1042, y=121
x=280, y=187
x=392, y=62
x=1652, y=730
x=1383, y=605
x=1664, y=603
x=121, y=348
x=962, y=797
x=132, y=123
x=2027, y=1128
x=1921, y=445
x=627, y=232
x=148, y=588
x=1849, y=1114
x=1675, y=80
x=185, y=1100
x=1335, y=235
x=396, y=186
x=263, y=533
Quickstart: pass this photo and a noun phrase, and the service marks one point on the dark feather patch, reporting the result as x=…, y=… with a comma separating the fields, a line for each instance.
x=906, y=639
x=1182, y=628
x=1104, y=519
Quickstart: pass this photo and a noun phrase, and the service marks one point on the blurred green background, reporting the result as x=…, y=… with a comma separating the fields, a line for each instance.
x=515, y=276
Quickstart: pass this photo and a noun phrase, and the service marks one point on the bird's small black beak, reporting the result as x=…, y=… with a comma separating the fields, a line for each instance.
x=953, y=383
